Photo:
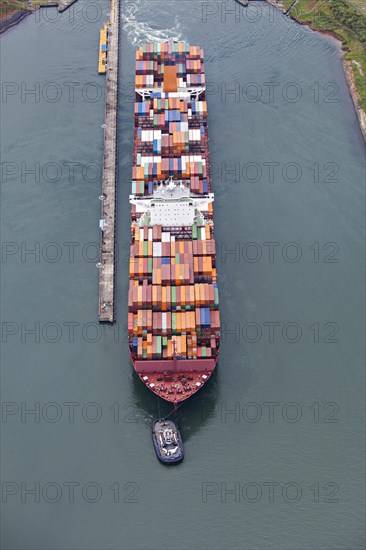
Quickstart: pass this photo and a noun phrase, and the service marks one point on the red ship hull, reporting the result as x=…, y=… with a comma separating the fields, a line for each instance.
x=175, y=381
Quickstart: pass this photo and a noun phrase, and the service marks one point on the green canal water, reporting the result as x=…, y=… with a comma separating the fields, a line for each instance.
x=274, y=443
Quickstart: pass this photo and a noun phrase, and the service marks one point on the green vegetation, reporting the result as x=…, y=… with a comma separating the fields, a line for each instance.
x=8, y=7
x=347, y=20
x=359, y=4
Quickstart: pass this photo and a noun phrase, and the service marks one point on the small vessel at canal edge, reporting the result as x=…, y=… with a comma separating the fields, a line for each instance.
x=243, y=2
x=167, y=441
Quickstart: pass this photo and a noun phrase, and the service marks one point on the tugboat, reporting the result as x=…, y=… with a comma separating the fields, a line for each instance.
x=167, y=441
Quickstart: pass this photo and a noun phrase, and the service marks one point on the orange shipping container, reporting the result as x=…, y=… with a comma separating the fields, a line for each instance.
x=149, y=319
x=163, y=298
x=141, y=267
x=183, y=321
x=170, y=349
x=197, y=293
x=193, y=323
x=183, y=345
x=188, y=321
x=154, y=295
x=191, y=320
x=195, y=264
x=192, y=295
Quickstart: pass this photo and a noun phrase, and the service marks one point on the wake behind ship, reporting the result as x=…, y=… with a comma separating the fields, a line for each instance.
x=173, y=304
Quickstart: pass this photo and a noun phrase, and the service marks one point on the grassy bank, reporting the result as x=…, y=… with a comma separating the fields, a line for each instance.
x=347, y=20
x=11, y=7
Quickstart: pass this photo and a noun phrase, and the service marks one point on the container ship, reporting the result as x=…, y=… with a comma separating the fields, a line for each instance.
x=173, y=301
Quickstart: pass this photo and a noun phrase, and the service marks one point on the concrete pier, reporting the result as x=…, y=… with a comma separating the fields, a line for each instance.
x=109, y=178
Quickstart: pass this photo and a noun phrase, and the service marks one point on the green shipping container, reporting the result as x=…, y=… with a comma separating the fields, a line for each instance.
x=194, y=232
x=158, y=345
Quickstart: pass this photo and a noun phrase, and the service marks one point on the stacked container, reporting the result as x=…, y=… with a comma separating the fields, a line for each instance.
x=173, y=294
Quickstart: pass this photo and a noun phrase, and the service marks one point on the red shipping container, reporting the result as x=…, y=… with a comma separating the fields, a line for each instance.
x=198, y=317
x=159, y=296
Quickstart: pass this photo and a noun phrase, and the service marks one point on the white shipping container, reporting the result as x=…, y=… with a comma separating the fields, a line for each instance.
x=150, y=235
x=194, y=135
x=149, y=160
x=203, y=233
x=157, y=250
x=164, y=321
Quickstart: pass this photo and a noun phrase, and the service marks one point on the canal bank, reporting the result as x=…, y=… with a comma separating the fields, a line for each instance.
x=320, y=19
x=13, y=18
x=12, y=15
